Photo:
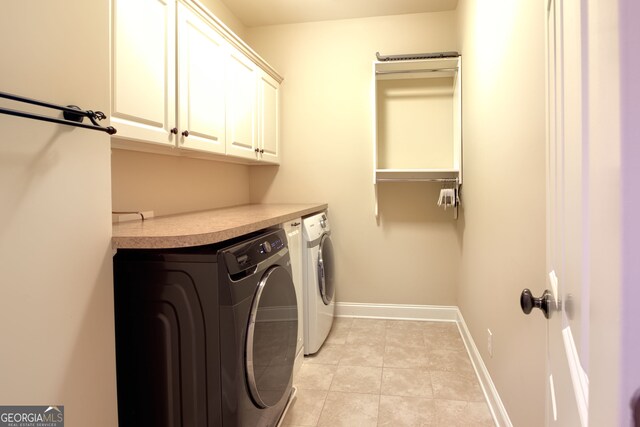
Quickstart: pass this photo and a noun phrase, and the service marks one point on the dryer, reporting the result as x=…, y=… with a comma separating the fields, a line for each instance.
x=205, y=336
x=319, y=281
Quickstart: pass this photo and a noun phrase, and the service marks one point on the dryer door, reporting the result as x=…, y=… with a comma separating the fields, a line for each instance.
x=326, y=270
x=271, y=338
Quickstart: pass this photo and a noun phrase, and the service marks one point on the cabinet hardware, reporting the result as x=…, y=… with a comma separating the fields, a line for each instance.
x=262, y=151
x=257, y=150
x=174, y=131
x=185, y=133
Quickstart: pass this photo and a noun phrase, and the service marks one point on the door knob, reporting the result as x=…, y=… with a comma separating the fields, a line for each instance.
x=528, y=302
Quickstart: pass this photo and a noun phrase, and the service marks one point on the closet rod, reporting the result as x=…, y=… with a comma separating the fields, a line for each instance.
x=425, y=70
x=73, y=115
x=455, y=180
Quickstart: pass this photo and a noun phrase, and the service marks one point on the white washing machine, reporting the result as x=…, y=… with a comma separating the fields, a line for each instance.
x=319, y=285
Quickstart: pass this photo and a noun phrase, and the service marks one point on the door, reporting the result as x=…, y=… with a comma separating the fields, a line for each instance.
x=143, y=59
x=269, y=119
x=567, y=219
x=201, y=90
x=241, y=107
x=592, y=230
x=271, y=337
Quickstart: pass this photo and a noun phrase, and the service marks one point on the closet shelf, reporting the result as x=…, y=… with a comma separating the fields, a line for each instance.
x=417, y=111
x=430, y=68
x=436, y=175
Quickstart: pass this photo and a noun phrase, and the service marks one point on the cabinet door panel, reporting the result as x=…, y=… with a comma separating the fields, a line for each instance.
x=143, y=69
x=269, y=119
x=201, y=69
x=241, y=107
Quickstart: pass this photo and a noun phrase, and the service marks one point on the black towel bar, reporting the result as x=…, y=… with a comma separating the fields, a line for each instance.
x=73, y=115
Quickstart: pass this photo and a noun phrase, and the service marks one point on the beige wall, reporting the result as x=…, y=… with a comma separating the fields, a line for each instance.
x=413, y=256
x=222, y=12
x=504, y=195
x=172, y=184
x=56, y=292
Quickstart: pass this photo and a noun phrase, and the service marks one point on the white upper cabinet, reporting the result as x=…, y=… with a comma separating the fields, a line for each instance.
x=241, y=107
x=202, y=55
x=252, y=112
x=269, y=118
x=180, y=79
x=143, y=70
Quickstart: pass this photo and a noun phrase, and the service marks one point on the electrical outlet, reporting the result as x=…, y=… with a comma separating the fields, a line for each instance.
x=490, y=342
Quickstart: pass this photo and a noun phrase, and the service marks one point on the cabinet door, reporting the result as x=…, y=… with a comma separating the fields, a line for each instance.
x=201, y=86
x=269, y=91
x=241, y=107
x=143, y=70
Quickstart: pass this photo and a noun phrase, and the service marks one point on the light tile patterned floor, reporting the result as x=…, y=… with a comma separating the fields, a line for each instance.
x=373, y=372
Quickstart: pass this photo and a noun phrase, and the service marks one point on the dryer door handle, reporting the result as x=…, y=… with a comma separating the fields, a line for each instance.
x=321, y=278
x=326, y=269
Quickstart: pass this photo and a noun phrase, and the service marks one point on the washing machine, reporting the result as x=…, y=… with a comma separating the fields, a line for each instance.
x=319, y=281
x=205, y=336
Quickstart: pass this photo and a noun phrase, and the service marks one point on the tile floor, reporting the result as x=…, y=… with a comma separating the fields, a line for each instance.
x=373, y=372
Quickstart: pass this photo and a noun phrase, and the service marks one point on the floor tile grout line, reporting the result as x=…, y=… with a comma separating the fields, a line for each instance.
x=428, y=370
x=322, y=409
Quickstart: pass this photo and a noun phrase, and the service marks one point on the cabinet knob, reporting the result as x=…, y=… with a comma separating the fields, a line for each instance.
x=174, y=130
x=257, y=150
x=185, y=133
x=262, y=151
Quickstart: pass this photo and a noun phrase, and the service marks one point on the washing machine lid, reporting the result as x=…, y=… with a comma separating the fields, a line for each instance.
x=326, y=270
x=272, y=336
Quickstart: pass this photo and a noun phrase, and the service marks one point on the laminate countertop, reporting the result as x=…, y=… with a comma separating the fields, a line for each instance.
x=205, y=227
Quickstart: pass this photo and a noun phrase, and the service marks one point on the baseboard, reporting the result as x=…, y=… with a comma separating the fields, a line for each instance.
x=442, y=314
x=496, y=407
x=397, y=311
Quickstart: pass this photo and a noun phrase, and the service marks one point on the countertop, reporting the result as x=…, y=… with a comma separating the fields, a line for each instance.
x=205, y=227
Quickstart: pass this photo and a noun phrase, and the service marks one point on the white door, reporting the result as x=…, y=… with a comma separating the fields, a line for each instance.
x=241, y=107
x=143, y=70
x=202, y=59
x=592, y=230
x=567, y=195
x=269, y=120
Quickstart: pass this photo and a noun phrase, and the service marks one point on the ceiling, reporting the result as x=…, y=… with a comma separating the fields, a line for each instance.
x=256, y=13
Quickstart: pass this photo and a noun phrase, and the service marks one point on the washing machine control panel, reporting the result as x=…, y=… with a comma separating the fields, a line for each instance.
x=265, y=247
x=249, y=254
x=268, y=246
x=313, y=227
